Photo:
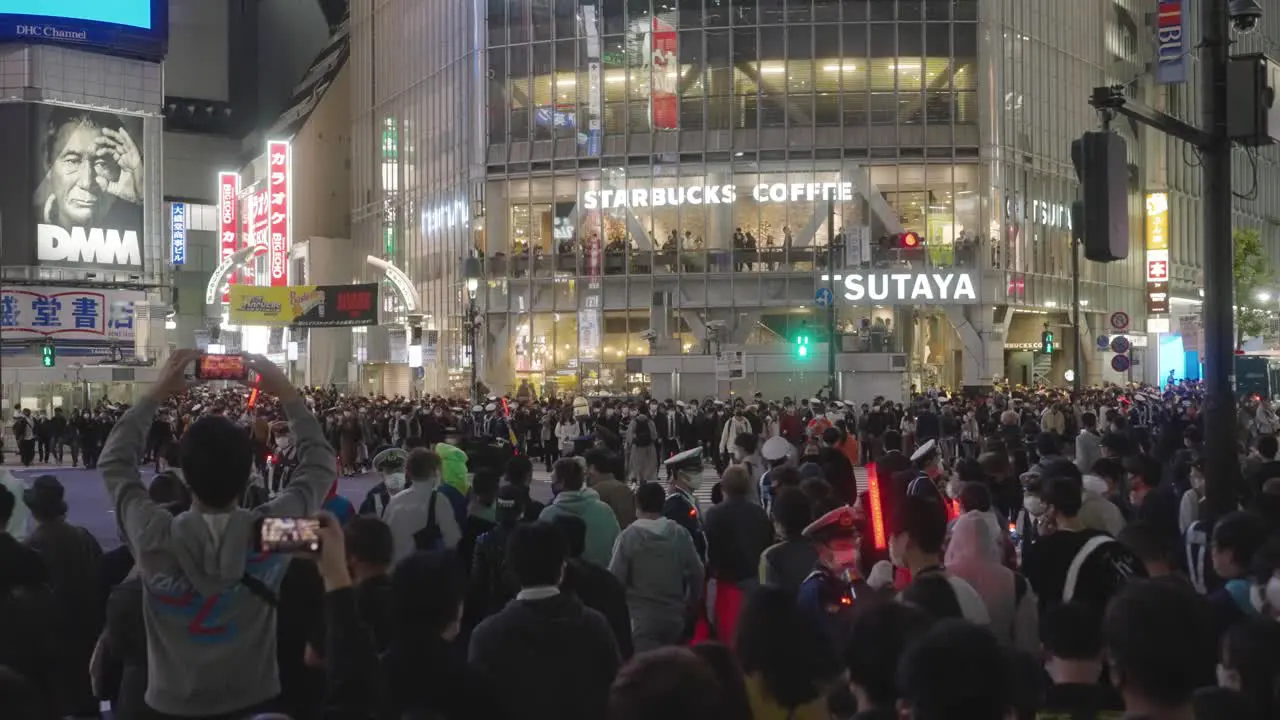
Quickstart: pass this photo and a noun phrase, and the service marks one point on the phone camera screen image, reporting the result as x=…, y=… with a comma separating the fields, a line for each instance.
x=285, y=535
x=220, y=367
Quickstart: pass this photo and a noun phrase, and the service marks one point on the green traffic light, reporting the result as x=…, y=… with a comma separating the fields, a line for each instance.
x=802, y=346
x=46, y=356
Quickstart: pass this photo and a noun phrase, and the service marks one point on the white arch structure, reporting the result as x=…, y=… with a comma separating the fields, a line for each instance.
x=213, y=291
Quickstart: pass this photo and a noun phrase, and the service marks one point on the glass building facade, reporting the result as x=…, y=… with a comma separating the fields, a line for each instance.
x=626, y=166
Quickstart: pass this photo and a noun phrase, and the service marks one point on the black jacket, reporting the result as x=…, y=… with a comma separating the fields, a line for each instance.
x=428, y=677
x=599, y=590
x=28, y=624
x=738, y=531
x=492, y=583
x=527, y=647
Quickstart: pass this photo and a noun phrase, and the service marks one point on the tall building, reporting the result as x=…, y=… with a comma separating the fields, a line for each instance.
x=645, y=183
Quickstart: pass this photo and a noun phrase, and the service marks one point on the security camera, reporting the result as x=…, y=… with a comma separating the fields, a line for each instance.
x=1245, y=15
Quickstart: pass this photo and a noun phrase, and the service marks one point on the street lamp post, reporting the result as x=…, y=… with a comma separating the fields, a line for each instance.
x=471, y=272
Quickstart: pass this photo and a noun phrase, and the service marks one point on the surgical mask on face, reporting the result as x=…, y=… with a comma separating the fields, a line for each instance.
x=1197, y=481
x=692, y=479
x=284, y=443
x=845, y=558
x=1034, y=506
x=1272, y=595
x=896, y=553
x=395, y=481
x=1228, y=679
x=953, y=488
x=738, y=454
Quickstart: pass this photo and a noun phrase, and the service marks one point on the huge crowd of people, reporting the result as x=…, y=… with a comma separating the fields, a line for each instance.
x=1027, y=553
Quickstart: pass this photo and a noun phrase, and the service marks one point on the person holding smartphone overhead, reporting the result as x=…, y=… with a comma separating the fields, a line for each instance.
x=210, y=605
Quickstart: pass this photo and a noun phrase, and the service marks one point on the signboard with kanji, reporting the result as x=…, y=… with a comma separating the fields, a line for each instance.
x=33, y=313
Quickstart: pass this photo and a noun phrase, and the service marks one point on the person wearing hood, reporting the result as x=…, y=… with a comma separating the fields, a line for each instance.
x=658, y=565
x=210, y=605
x=389, y=462
x=28, y=624
x=976, y=556
x=555, y=657
x=602, y=476
x=421, y=517
x=1097, y=512
x=573, y=498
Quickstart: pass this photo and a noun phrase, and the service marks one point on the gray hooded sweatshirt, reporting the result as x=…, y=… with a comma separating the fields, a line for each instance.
x=658, y=566
x=211, y=641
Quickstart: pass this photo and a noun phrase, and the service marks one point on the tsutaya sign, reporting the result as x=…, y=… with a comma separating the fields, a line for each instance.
x=938, y=287
x=714, y=195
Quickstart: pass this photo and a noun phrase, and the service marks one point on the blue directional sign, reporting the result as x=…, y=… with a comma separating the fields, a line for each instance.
x=823, y=297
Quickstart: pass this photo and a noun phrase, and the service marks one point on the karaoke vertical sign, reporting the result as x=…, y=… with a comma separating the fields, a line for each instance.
x=228, y=202
x=279, y=179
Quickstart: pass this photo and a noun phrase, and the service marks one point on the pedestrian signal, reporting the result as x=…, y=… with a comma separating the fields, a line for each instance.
x=1046, y=341
x=47, y=354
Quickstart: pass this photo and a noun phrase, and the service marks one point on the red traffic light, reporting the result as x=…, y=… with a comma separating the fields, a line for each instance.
x=909, y=240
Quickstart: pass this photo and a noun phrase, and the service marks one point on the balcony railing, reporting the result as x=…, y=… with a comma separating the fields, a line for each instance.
x=722, y=261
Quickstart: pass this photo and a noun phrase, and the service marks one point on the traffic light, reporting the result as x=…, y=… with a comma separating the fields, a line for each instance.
x=1101, y=219
x=908, y=240
x=802, y=344
x=47, y=354
x=1046, y=341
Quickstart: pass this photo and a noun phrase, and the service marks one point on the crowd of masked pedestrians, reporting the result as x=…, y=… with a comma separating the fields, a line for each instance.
x=1026, y=555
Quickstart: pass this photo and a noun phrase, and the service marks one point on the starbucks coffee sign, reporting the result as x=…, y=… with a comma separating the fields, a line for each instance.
x=714, y=195
x=936, y=287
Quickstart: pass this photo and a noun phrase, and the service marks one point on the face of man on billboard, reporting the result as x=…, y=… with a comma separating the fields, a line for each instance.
x=91, y=168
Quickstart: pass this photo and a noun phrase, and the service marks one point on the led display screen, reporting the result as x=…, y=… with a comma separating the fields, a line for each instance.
x=132, y=28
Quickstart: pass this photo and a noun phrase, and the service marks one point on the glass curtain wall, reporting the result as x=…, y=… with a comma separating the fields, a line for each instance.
x=414, y=147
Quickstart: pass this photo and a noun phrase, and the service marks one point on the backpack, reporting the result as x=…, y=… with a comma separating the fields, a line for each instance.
x=643, y=436
x=20, y=427
x=430, y=538
x=1077, y=563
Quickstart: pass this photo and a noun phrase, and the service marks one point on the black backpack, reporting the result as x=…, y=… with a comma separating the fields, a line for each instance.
x=643, y=436
x=430, y=538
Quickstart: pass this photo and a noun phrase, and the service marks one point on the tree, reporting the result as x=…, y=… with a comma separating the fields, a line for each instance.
x=1252, y=274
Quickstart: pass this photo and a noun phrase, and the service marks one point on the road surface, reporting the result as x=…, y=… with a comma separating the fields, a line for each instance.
x=89, y=507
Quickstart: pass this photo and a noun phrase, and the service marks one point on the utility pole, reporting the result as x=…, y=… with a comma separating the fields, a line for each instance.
x=1214, y=142
x=1219, y=283
x=832, y=340
x=1078, y=353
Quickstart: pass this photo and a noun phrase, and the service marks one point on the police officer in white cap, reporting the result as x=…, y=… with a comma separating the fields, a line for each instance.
x=829, y=592
x=681, y=505
x=926, y=462
x=776, y=453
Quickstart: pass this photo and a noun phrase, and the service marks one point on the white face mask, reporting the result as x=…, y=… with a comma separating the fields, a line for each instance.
x=692, y=479
x=953, y=488
x=738, y=454
x=896, y=554
x=395, y=481
x=284, y=443
x=1228, y=679
x=1197, y=482
x=1272, y=595
x=1034, y=506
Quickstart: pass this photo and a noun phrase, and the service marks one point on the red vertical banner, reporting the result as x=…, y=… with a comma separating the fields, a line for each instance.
x=664, y=77
x=228, y=227
x=256, y=216
x=278, y=177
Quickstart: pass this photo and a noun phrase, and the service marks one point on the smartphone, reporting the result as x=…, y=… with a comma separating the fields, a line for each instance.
x=221, y=367
x=288, y=535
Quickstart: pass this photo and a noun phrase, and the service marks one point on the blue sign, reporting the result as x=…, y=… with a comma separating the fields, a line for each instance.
x=1120, y=363
x=178, y=234
x=419, y=373
x=823, y=297
x=1104, y=342
x=1171, y=43
x=132, y=28
x=1120, y=344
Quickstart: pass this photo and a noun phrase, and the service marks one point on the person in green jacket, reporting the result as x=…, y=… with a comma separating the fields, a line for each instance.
x=572, y=498
x=453, y=467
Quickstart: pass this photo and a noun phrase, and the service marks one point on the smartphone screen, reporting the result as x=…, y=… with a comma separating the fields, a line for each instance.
x=287, y=535
x=221, y=367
